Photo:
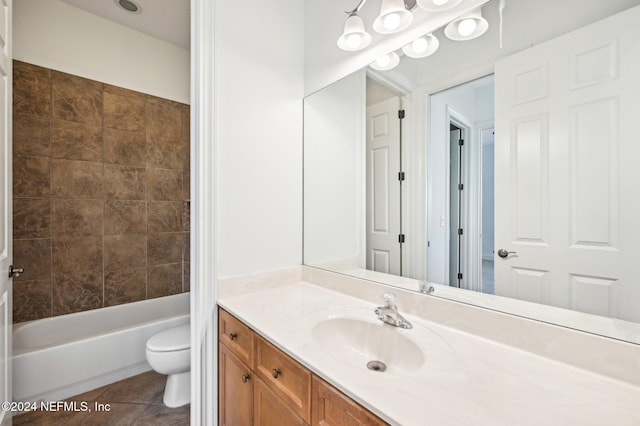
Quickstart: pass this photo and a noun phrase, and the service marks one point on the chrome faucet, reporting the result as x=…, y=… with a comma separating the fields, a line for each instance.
x=424, y=287
x=389, y=312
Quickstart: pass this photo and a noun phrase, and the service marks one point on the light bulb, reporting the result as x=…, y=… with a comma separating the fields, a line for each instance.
x=466, y=27
x=383, y=61
x=354, y=40
x=392, y=21
x=419, y=45
x=439, y=2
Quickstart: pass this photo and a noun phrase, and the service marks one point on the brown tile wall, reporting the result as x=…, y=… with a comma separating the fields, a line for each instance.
x=101, y=179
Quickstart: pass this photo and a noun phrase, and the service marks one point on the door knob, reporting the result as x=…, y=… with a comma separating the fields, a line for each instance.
x=504, y=253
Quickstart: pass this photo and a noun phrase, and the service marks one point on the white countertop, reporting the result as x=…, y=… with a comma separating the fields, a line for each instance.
x=485, y=383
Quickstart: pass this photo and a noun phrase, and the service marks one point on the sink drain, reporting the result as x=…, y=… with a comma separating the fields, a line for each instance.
x=376, y=366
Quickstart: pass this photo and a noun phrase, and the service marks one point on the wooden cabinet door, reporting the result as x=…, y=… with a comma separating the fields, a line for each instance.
x=331, y=407
x=270, y=410
x=235, y=390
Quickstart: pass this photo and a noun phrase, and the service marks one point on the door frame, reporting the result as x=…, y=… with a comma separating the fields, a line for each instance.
x=6, y=255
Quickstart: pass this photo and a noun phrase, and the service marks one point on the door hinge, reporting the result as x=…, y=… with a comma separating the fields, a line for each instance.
x=459, y=275
x=401, y=176
x=461, y=142
x=401, y=114
x=460, y=186
x=459, y=231
x=401, y=238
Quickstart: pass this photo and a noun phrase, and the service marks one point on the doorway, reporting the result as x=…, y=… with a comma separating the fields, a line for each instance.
x=459, y=182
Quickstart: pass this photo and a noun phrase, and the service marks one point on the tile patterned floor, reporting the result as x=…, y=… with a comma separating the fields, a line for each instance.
x=133, y=401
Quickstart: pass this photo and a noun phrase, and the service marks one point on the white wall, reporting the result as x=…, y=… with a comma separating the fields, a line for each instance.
x=259, y=90
x=56, y=35
x=334, y=152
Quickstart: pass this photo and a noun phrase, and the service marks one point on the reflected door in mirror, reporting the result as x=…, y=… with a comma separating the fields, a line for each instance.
x=567, y=170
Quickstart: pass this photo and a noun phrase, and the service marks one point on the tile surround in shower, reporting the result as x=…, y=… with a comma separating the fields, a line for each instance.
x=100, y=178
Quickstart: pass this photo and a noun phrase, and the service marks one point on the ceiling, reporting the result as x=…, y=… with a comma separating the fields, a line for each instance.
x=167, y=20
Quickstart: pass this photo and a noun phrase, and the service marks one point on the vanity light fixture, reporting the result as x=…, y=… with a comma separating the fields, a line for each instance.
x=396, y=15
x=422, y=46
x=386, y=62
x=438, y=5
x=354, y=37
x=393, y=17
x=467, y=27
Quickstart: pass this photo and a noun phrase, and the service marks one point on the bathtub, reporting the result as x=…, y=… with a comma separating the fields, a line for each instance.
x=55, y=358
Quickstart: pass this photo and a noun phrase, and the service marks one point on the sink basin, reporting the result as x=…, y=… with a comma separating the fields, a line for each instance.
x=356, y=337
x=357, y=342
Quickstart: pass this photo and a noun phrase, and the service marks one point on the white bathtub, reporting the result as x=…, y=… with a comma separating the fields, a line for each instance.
x=55, y=358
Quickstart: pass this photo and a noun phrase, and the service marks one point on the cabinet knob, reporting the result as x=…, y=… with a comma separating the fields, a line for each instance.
x=276, y=373
x=246, y=378
x=233, y=336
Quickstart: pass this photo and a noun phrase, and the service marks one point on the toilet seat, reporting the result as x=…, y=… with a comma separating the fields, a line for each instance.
x=171, y=340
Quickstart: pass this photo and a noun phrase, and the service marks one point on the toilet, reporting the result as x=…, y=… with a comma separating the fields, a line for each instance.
x=169, y=352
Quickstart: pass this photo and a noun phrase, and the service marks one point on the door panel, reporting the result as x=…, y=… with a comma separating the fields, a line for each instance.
x=530, y=190
x=383, y=187
x=566, y=169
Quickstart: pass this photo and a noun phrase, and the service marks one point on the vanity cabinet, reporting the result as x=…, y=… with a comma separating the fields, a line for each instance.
x=261, y=385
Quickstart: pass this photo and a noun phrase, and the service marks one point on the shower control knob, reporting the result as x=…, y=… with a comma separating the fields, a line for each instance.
x=15, y=271
x=504, y=253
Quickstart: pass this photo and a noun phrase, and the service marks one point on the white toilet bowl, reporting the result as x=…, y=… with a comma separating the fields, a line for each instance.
x=169, y=352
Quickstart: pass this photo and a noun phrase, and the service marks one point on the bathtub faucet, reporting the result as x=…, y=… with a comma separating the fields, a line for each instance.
x=389, y=313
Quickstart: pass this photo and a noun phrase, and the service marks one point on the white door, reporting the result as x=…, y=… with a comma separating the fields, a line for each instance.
x=567, y=170
x=6, y=222
x=383, y=187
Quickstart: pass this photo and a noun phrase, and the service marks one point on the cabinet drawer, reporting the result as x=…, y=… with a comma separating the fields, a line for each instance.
x=284, y=376
x=332, y=408
x=236, y=336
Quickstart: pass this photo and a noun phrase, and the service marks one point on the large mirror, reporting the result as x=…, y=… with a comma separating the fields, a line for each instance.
x=509, y=180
